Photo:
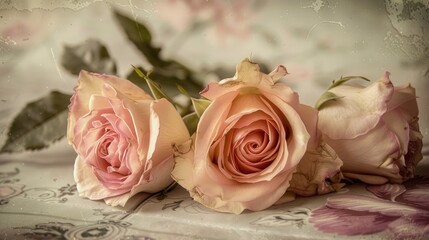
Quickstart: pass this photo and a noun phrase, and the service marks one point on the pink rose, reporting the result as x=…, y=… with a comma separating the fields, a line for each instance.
x=374, y=130
x=123, y=139
x=248, y=142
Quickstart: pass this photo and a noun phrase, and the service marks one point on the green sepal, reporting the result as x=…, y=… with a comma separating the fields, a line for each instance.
x=342, y=80
x=200, y=105
x=182, y=90
x=324, y=98
x=191, y=121
x=329, y=96
x=155, y=89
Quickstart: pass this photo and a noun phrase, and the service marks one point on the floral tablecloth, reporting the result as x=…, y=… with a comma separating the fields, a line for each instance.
x=317, y=40
x=39, y=201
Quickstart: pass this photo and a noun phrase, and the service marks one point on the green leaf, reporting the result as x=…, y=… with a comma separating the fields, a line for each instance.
x=326, y=97
x=200, y=105
x=342, y=80
x=168, y=82
x=134, y=77
x=154, y=87
x=156, y=90
x=141, y=37
x=90, y=55
x=39, y=124
x=191, y=122
x=182, y=90
x=166, y=72
x=139, y=72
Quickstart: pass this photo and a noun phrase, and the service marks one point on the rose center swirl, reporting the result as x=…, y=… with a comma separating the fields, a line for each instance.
x=110, y=147
x=249, y=147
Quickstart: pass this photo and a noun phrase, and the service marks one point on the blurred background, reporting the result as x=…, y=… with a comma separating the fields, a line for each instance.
x=317, y=40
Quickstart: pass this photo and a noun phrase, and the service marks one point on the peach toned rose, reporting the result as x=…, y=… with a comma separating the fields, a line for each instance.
x=123, y=139
x=374, y=130
x=248, y=142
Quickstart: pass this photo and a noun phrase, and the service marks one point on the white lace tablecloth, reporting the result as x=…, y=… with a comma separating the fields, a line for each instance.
x=317, y=40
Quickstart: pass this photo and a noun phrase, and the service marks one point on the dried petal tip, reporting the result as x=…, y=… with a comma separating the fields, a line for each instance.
x=387, y=75
x=248, y=71
x=317, y=173
x=386, y=78
x=278, y=73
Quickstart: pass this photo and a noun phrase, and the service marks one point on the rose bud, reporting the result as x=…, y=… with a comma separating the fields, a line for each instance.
x=373, y=129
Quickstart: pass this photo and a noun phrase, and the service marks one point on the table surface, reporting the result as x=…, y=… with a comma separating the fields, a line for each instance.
x=40, y=201
x=317, y=40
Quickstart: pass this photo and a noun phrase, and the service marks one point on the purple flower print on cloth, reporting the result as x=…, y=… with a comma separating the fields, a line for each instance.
x=401, y=209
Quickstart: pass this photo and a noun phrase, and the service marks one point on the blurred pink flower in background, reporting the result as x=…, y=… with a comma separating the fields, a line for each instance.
x=228, y=18
x=20, y=31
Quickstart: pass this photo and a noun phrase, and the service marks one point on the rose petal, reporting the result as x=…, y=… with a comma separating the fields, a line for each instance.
x=183, y=171
x=249, y=105
x=172, y=130
x=208, y=128
x=314, y=169
x=91, y=84
x=278, y=73
x=357, y=112
x=397, y=123
x=113, y=179
x=362, y=156
x=124, y=86
x=119, y=200
x=300, y=137
x=98, y=102
x=309, y=117
x=167, y=130
x=248, y=72
x=88, y=185
x=282, y=91
x=237, y=197
x=404, y=97
x=247, y=76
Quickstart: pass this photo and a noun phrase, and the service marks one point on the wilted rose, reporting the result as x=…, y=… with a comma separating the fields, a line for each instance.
x=248, y=142
x=123, y=138
x=374, y=130
x=318, y=172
